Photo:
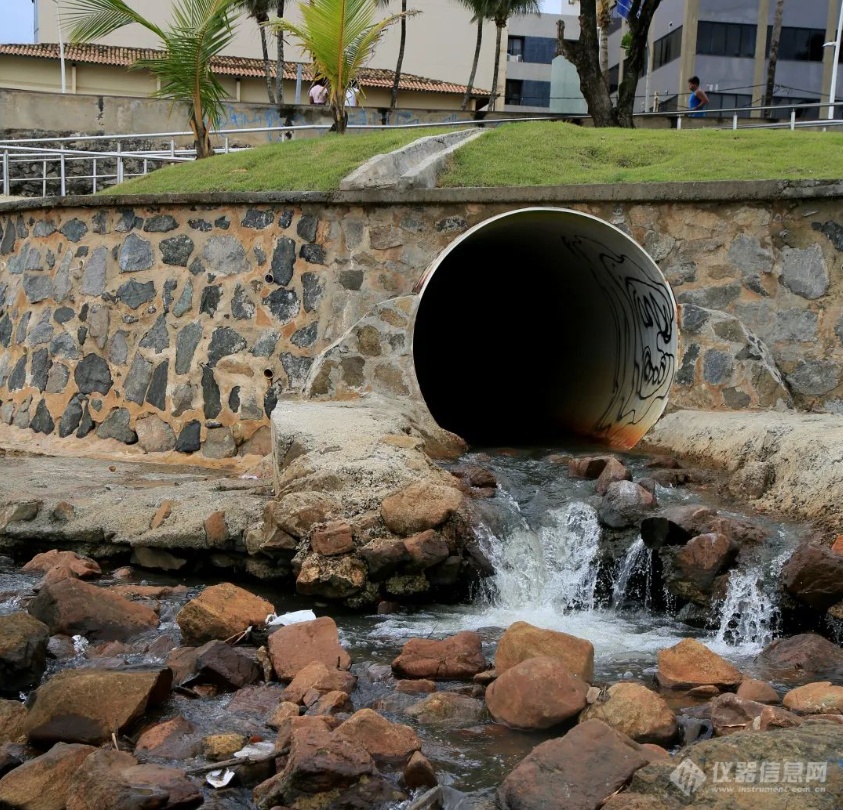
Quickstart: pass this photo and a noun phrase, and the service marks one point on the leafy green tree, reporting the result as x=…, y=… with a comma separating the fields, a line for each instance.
x=258, y=10
x=197, y=32
x=340, y=36
x=479, y=16
x=500, y=11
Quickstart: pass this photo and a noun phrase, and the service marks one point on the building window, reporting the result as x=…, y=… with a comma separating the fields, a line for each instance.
x=730, y=101
x=667, y=48
x=726, y=39
x=515, y=49
x=539, y=50
x=614, y=78
x=535, y=94
x=512, y=93
x=799, y=44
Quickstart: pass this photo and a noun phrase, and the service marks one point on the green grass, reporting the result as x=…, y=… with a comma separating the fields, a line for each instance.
x=316, y=164
x=547, y=153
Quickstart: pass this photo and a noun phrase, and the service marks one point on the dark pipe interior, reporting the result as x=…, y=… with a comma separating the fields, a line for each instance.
x=511, y=337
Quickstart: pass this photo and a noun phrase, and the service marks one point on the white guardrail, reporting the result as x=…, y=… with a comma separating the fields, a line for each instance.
x=109, y=166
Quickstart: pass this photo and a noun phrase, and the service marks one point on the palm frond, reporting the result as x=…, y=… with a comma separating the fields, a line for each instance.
x=93, y=19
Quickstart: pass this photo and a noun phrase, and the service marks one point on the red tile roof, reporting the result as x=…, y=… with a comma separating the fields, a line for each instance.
x=242, y=67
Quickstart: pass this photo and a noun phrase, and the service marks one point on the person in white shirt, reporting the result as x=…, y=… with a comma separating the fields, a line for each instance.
x=351, y=95
x=318, y=92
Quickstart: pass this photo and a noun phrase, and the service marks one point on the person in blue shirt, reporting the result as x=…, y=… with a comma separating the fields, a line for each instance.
x=698, y=99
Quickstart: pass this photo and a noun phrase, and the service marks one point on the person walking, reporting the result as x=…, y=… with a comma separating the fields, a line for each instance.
x=698, y=99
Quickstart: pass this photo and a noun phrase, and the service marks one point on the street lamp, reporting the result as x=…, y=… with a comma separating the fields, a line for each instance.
x=832, y=90
x=61, y=47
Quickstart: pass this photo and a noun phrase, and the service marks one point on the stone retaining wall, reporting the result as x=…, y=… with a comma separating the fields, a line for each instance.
x=180, y=323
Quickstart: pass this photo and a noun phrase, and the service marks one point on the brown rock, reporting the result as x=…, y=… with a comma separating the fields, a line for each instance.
x=298, y=512
x=420, y=506
x=730, y=713
x=224, y=666
x=588, y=467
x=448, y=709
x=72, y=607
x=814, y=575
x=23, y=651
x=331, y=577
x=320, y=677
x=219, y=747
x=458, y=658
x=586, y=766
x=331, y=703
x=387, y=743
x=173, y=739
x=705, y=691
x=182, y=663
x=413, y=686
x=221, y=612
x=815, y=698
x=157, y=559
x=426, y=549
x=12, y=720
x=537, y=693
x=294, y=647
x=18, y=510
x=332, y=539
x=703, y=557
x=154, y=434
x=63, y=512
x=216, y=529
x=522, y=641
x=88, y=705
x=383, y=556
x=82, y=567
x=808, y=652
x=43, y=783
x=636, y=711
x=613, y=471
x=837, y=545
x=283, y=711
x=690, y=663
x=259, y=701
x=759, y=691
x=162, y=513
x=419, y=773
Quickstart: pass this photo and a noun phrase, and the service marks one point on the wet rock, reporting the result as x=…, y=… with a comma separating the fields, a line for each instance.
x=586, y=766
x=387, y=743
x=690, y=663
x=589, y=467
x=114, y=779
x=332, y=539
x=383, y=557
x=426, y=550
x=73, y=607
x=635, y=710
x=259, y=701
x=614, y=470
x=23, y=651
x=808, y=652
x=12, y=720
x=815, y=698
x=293, y=647
x=331, y=704
x=43, y=783
x=522, y=641
x=320, y=678
x=157, y=559
x=155, y=435
x=283, y=711
x=814, y=575
x=419, y=773
x=697, y=564
x=420, y=506
x=759, y=691
x=88, y=705
x=448, y=709
x=220, y=612
x=730, y=713
x=224, y=666
x=624, y=504
x=676, y=526
x=538, y=693
x=116, y=426
x=456, y=658
x=173, y=739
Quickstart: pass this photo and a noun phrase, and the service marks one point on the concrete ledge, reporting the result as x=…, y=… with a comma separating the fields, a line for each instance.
x=416, y=165
x=713, y=191
x=788, y=463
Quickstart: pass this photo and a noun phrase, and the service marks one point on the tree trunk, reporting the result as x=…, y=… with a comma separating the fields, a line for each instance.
x=604, y=53
x=640, y=17
x=201, y=136
x=338, y=110
x=279, y=64
x=493, y=97
x=467, y=96
x=394, y=103
x=266, y=69
x=775, y=37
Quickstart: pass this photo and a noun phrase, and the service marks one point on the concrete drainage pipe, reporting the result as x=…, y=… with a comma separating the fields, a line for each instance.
x=544, y=324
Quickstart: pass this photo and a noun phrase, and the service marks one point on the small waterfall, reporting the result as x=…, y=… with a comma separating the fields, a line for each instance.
x=634, y=578
x=554, y=566
x=749, y=613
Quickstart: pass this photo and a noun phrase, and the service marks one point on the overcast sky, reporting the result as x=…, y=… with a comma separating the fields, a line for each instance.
x=17, y=19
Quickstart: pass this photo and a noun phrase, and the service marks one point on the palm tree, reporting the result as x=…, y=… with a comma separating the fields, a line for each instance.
x=604, y=20
x=258, y=10
x=340, y=36
x=500, y=11
x=198, y=31
x=279, y=61
x=480, y=14
x=402, y=42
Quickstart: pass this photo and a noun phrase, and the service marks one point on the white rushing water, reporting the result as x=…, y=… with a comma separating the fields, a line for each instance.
x=638, y=563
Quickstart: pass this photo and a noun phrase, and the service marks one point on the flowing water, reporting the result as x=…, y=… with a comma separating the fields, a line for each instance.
x=542, y=535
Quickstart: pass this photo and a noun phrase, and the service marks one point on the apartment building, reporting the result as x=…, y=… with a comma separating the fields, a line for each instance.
x=726, y=44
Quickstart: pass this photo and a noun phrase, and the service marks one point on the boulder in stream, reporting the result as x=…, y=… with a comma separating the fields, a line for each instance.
x=23, y=651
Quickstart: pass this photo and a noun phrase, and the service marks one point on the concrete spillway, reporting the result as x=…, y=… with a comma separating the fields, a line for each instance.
x=541, y=324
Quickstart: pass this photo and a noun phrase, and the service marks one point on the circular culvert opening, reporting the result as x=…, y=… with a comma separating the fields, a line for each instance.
x=542, y=324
